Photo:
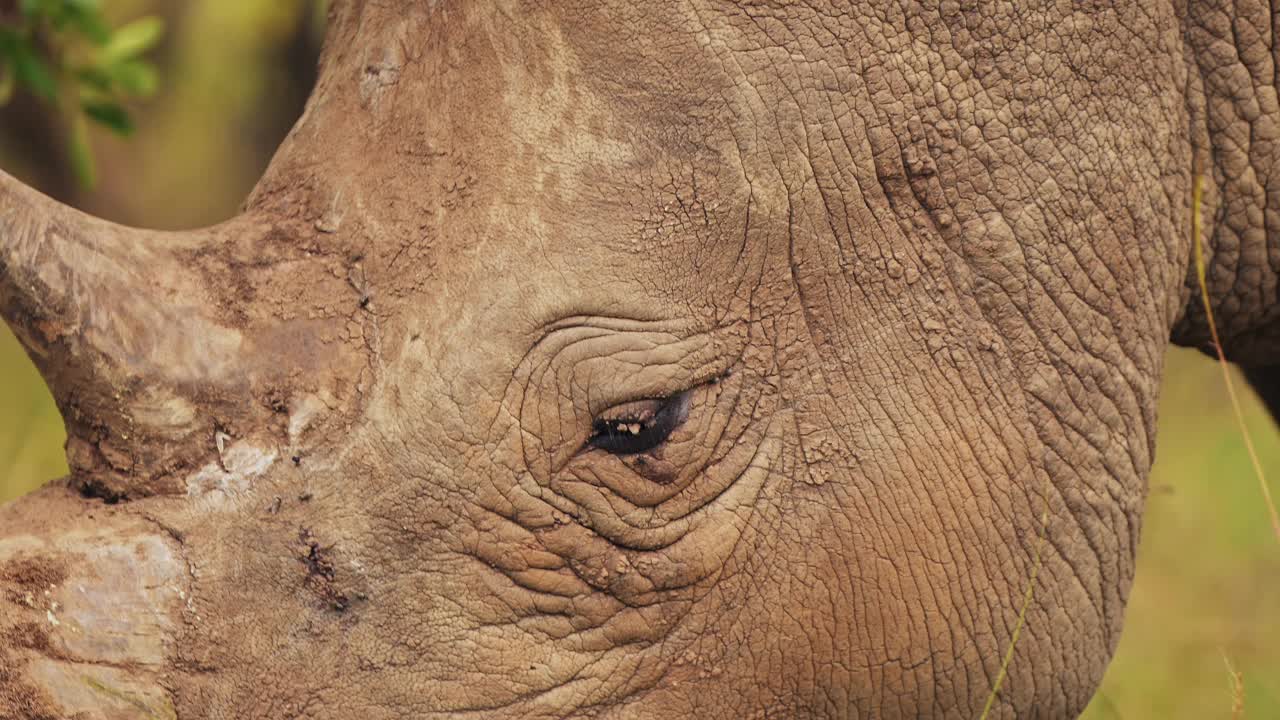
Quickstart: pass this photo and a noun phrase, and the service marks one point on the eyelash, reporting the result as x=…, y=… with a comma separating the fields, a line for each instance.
x=639, y=431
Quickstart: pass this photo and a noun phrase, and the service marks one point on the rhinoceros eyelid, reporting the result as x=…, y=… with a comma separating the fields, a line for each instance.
x=638, y=426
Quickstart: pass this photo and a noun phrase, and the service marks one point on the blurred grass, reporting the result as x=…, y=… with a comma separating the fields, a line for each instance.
x=235, y=73
x=31, y=434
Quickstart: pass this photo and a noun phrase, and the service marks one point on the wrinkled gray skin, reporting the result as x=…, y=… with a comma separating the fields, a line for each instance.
x=915, y=266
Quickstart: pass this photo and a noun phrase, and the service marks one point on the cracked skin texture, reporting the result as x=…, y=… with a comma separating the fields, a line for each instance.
x=916, y=267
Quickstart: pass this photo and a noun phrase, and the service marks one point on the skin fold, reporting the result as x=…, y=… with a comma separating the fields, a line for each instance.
x=909, y=271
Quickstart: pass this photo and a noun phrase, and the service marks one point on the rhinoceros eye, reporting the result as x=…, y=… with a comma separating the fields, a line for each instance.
x=639, y=426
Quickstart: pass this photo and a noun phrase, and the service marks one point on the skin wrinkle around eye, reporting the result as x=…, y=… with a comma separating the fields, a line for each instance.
x=710, y=479
x=706, y=453
x=655, y=364
x=607, y=520
x=695, y=553
x=584, y=366
x=561, y=363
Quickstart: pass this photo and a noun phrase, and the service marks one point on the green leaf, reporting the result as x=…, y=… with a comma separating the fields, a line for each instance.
x=7, y=83
x=94, y=78
x=31, y=7
x=110, y=115
x=9, y=40
x=84, y=16
x=132, y=40
x=136, y=77
x=32, y=71
x=80, y=155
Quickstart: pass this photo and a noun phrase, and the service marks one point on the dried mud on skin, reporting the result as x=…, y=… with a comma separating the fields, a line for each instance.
x=23, y=580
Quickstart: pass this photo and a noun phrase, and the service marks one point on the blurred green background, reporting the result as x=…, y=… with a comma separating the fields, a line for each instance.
x=234, y=76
